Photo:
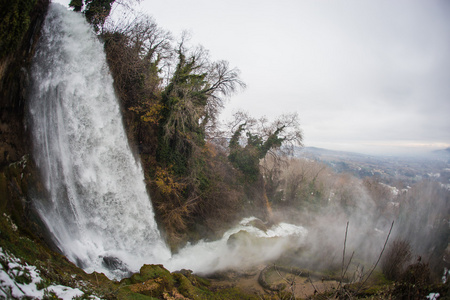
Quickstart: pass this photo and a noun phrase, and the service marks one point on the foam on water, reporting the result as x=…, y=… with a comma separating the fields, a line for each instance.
x=241, y=247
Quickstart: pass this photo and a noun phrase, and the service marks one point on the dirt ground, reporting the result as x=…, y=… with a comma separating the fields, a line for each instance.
x=302, y=286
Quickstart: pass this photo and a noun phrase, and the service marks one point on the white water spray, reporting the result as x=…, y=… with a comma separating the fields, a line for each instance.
x=243, y=246
x=99, y=211
x=99, y=205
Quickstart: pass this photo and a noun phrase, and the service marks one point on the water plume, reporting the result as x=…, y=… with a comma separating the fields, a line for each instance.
x=98, y=204
x=244, y=246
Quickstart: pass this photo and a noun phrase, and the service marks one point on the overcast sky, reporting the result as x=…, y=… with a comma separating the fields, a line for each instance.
x=365, y=76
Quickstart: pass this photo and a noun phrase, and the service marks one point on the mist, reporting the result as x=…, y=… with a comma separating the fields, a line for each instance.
x=319, y=214
x=242, y=247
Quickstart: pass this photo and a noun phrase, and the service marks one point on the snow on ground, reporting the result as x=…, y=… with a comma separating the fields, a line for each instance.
x=433, y=296
x=394, y=191
x=18, y=280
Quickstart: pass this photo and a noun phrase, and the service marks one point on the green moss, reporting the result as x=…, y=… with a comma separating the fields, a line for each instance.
x=43, y=284
x=23, y=276
x=148, y=272
x=56, y=269
x=3, y=191
x=49, y=295
x=21, y=246
x=185, y=287
x=153, y=271
x=232, y=293
x=15, y=20
x=126, y=294
x=380, y=279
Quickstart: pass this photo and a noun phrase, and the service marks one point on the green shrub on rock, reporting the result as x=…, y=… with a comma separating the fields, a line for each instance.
x=15, y=19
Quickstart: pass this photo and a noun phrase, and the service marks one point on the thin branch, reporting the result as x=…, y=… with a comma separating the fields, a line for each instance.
x=343, y=256
x=348, y=264
x=379, y=258
x=310, y=281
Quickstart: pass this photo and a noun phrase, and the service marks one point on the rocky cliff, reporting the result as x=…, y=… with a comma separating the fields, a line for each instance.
x=18, y=176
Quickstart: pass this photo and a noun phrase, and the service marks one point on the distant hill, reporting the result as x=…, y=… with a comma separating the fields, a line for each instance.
x=409, y=170
x=315, y=151
x=444, y=153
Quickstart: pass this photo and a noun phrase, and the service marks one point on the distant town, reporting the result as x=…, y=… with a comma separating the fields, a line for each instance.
x=392, y=170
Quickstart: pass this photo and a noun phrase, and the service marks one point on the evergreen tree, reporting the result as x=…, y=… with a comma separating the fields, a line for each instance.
x=96, y=11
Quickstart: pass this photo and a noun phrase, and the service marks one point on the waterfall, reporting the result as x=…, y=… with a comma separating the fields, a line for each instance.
x=98, y=209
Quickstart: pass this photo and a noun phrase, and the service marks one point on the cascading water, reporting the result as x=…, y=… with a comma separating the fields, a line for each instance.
x=99, y=206
x=243, y=246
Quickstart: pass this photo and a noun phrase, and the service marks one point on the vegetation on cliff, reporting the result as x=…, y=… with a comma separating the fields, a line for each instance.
x=202, y=178
x=16, y=20
x=19, y=179
x=20, y=22
x=172, y=95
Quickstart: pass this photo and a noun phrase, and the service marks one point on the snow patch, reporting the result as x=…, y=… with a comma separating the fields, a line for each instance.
x=433, y=296
x=20, y=280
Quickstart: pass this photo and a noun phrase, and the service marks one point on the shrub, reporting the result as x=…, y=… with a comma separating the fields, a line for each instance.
x=396, y=258
x=414, y=283
x=15, y=19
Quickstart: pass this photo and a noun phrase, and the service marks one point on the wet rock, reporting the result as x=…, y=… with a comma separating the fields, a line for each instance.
x=244, y=239
x=184, y=272
x=239, y=238
x=257, y=223
x=113, y=263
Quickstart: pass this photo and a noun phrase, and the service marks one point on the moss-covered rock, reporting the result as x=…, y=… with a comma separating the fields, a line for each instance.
x=15, y=20
x=126, y=293
x=157, y=282
x=19, y=185
x=20, y=23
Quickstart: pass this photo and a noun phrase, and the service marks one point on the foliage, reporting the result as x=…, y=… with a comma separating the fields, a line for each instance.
x=396, y=258
x=245, y=158
x=53, y=267
x=262, y=139
x=298, y=183
x=171, y=98
x=206, y=204
x=183, y=102
x=76, y=4
x=135, y=50
x=155, y=282
x=151, y=282
x=187, y=107
x=22, y=275
x=166, y=183
x=422, y=217
x=382, y=196
x=96, y=11
x=191, y=101
x=14, y=22
x=414, y=282
x=150, y=112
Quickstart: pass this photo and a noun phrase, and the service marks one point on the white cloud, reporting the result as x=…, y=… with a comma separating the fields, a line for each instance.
x=354, y=70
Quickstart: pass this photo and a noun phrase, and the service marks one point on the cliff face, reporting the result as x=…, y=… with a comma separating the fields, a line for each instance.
x=18, y=176
x=14, y=78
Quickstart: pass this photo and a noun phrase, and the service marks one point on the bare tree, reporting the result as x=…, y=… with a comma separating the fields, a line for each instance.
x=287, y=127
x=143, y=36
